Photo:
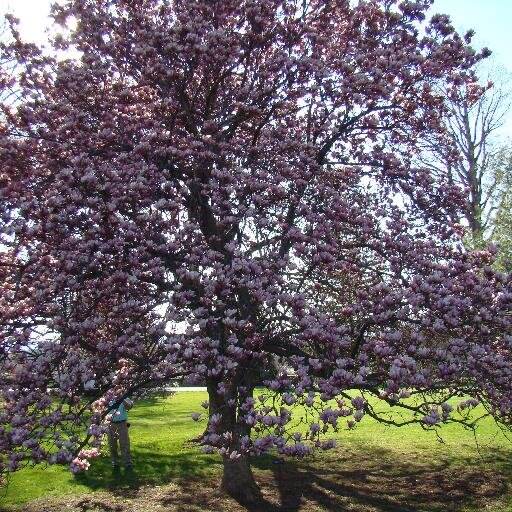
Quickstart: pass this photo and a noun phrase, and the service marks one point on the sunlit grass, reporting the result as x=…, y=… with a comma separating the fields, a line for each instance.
x=161, y=427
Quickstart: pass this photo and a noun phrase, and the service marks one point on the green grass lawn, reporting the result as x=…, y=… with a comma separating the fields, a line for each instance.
x=159, y=429
x=374, y=468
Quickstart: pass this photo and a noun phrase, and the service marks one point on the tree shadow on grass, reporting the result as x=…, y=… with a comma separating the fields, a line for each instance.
x=362, y=479
x=374, y=480
x=370, y=480
x=149, y=469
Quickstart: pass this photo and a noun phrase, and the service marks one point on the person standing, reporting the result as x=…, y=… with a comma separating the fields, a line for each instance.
x=118, y=432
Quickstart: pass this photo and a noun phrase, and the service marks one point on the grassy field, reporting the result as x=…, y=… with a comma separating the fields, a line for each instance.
x=373, y=469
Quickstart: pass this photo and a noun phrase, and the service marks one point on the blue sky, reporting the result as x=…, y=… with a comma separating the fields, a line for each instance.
x=491, y=20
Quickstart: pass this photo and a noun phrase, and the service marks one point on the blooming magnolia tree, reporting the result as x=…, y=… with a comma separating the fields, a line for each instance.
x=210, y=185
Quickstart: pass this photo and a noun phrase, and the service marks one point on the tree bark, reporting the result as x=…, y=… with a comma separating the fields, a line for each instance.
x=238, y=480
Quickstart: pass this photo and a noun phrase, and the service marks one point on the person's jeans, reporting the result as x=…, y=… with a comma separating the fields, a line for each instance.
x=119, y=432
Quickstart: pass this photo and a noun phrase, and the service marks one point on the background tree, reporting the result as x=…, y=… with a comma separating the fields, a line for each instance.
x=169, y=196
x=501, y=231
x=472, y=154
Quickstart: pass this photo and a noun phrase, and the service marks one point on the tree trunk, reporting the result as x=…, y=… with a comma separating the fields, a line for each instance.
x=238, y=480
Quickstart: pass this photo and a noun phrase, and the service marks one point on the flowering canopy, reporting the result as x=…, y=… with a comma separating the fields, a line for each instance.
x=211, y=185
